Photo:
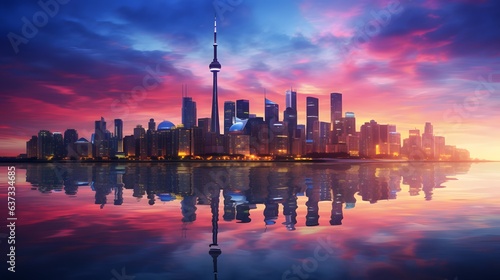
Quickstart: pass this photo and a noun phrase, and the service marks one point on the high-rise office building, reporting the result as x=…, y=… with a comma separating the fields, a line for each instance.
x=312, y=115
x=279, y=142
x=45, y=148
x=151, y=139
x=59, y=150
x=140, y=142
x=428, y=142
x=429, y=128
x=291, y=99
x=350, y=123
x=415, y=140
x=229, y=114
x=271, y=112
x=290, y=118
x=151, y=124
x=118, y=129
x=215, y=67
x=369, y=139
x=394, y=143
x=439, y=146
x=412, y=146
x=70, y=137
x=185, y=142
x=101, y=139
x=242, y=109
x=384, y=144
x=119, y=135
x=336, y=115
x=204, y=124
x=129, y=146
x=256, y=128
x=188, y=112
x=324, y=136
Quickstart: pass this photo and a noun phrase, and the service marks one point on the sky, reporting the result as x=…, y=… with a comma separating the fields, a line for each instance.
x=65, y=64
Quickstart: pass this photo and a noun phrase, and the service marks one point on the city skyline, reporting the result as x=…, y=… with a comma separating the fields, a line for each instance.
x=433, y=75
x=372, y=140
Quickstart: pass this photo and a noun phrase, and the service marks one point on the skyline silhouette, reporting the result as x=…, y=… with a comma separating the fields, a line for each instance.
x=405, y=148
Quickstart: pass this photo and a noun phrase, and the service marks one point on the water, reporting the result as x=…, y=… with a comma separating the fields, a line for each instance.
x=270, y=221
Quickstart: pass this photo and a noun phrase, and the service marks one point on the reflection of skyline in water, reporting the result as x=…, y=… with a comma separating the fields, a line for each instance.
x=158, y=221
x=245, y=186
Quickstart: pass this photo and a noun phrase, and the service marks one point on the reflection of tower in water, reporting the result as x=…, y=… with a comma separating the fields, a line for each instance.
x=215, y=250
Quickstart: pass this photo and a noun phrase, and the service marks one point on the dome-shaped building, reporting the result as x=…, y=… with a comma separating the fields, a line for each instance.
x=239, y=126
x=166, y=125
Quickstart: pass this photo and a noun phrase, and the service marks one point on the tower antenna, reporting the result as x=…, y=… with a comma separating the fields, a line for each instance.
x=215, y=67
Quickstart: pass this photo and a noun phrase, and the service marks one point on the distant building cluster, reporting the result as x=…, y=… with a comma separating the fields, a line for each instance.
x=247, y=136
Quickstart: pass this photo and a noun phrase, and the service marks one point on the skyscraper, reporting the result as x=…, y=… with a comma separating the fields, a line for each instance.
x=350, y=123
x=291, y=99
x=70, y=137
x=323, y=136
x=140, y=142
x=119, y=135
x=215, y=67
x=384, y=145
x=439, y=146
x=151, y=139
x=204, y=124
x=188, y=112
x=336, y=115
x=428, y=143
x=413, y=147
x=290, y=118
x=369, y=139
x=45, y=148
x=415, y=138
x=271, y=112
x=394, y=143
x=229, y=113
x=242, y=109
x=58, y=143
x=312, y=115
x=101, y=139
x=151, y=124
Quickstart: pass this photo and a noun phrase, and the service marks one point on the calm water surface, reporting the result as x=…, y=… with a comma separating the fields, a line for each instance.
x=269, y=220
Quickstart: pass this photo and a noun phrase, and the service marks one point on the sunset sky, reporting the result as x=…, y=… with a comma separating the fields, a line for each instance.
x=398, y=62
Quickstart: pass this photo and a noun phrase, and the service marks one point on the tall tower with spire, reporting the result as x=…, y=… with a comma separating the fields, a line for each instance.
x=215, y=68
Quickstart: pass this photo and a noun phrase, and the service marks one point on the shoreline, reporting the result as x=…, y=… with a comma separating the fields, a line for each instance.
x=309, y=160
